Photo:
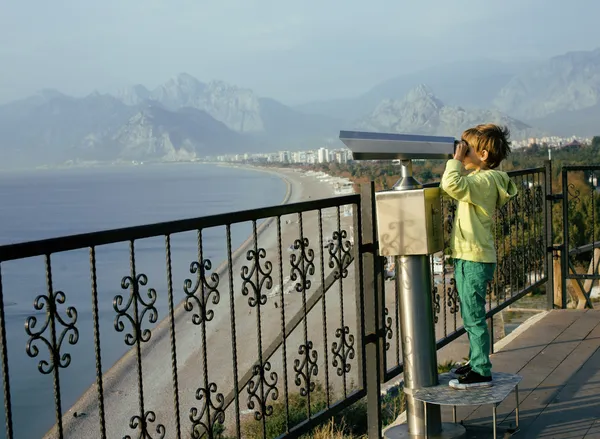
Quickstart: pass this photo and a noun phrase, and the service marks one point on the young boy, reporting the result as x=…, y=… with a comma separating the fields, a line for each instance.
x=480, y=150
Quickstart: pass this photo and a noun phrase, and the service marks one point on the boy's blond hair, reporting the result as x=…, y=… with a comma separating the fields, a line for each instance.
x=492, y=138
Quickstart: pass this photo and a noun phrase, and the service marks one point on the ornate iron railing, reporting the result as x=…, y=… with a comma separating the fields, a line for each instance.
x=282, y=332
x=295, y=325
x=580, y=233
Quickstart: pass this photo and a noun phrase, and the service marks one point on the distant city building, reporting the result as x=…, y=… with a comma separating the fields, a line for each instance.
x=344, y=155
x=573, y=144
x=338, y=157
x=284, y=156
x=323, y=155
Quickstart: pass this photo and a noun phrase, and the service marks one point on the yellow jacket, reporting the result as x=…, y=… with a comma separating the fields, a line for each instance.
x=478, y=194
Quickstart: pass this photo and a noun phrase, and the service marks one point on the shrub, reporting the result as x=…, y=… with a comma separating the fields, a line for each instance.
x=350, y=422
x=446, y=367
x=276, y=423
x=392, y=405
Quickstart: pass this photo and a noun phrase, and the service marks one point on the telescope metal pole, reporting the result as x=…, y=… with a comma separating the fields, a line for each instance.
x=413, y=274
x=419, y=354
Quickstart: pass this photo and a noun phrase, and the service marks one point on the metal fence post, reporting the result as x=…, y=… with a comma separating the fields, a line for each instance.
x=564, y=260
x=548, y=236
x=491, y=333
x=372, y=294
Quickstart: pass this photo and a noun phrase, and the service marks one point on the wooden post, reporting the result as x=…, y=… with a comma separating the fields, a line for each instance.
x=575, y=289
x=557, y=275
x=592, y=269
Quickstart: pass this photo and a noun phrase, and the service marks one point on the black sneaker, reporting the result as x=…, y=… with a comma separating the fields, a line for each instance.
x=461, y=369
x=471, y=380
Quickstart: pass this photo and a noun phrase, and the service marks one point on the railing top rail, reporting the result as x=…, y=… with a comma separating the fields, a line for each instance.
x=526, y=171
x=566, y=168
x=584, y=248
x=85, y=240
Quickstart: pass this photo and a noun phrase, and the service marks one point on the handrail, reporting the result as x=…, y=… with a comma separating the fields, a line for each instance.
x=43, y=247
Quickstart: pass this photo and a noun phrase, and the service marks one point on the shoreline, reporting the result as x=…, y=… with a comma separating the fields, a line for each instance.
x=87, y=403
x=235, y=254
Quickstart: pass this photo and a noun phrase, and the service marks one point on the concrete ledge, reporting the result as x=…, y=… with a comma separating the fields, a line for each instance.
x=401, y=419
x=500, y=344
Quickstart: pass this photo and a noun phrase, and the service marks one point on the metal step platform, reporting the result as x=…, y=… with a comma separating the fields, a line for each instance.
x=443, y=394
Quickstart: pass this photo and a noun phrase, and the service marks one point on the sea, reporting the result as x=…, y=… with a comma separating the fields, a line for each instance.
x=47, y=203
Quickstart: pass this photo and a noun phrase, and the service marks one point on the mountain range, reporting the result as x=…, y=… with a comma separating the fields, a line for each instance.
x=560, y=95
x=472, y=86
x=420, y=111
x=179, y=120
x=185, y=118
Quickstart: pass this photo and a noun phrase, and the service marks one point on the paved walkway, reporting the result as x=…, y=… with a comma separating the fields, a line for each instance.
x=559, y=360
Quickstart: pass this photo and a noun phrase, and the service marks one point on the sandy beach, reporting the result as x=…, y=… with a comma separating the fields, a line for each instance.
x=194, y=370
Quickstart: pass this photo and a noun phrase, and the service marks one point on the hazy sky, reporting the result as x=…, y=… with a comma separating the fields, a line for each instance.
x=294, y=51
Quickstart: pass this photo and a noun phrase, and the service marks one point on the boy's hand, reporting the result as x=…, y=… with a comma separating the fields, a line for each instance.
x=461, y=151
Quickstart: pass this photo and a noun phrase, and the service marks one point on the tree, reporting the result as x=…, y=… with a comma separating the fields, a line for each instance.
x=426, y=175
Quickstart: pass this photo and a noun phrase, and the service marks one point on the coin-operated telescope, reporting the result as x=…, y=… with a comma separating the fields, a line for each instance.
x=408, y=217
x=409, y=227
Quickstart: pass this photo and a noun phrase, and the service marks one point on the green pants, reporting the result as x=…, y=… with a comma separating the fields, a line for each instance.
x=472, y=279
